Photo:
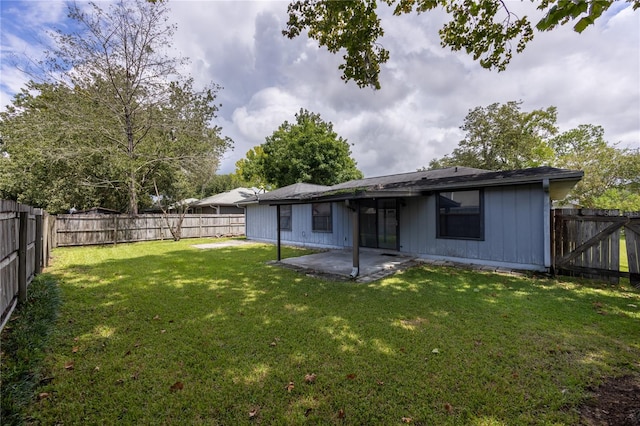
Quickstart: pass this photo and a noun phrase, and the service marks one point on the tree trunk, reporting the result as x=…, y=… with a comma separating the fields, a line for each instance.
x=133, y=190
x=133, y=195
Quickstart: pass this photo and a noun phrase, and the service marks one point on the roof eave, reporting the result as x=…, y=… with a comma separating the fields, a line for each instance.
x=563, y=181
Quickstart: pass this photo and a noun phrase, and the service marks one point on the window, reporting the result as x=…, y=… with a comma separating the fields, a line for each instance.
x=285, y=218
x=460, y=215
x=321, y=217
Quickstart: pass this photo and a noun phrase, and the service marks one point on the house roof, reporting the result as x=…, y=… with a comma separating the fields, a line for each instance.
x=229, y=198
x=291, y=192
x=423, y=182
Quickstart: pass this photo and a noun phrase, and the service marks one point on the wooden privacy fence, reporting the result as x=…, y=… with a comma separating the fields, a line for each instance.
x=586, y=243
x=79, y=230
x=25, y=247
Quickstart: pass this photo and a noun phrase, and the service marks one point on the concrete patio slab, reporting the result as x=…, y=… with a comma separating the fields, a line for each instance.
x=374, y=264
x=227, y=243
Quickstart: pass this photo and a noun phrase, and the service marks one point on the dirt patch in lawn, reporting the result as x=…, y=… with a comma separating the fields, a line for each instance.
x=616, y=402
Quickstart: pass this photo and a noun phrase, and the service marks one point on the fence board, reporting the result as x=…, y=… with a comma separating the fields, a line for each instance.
x=587, y=243
x=77, y=230
x=11, y=272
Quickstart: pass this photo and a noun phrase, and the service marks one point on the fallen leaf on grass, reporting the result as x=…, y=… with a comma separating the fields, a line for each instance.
x=43, y=395
x=290, y=387
x=310, y=378
x=254, y=412
x=341, y=413
x=157, y=317
x=380, y=383
x=75, y=349
x=407, y=420
x=351, y=376
x=68, y=365
x=448, y=407
x=176, y=386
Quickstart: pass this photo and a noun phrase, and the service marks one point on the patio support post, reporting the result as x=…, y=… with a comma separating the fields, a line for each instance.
x=355, y=237
x=278, y=230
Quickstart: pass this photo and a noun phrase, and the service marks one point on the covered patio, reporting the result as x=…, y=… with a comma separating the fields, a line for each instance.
x=374, y=264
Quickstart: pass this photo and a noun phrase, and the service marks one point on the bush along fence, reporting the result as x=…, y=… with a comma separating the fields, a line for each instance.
x=25, y=247
x=79, y=230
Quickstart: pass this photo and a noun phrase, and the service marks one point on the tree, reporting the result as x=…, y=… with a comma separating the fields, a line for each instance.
x=485, y=29
x=130, y=102
x=502, y=137
x=611, y=175
x=250, y=168
x=40, y=166
x=308, y=151
x=222, y=183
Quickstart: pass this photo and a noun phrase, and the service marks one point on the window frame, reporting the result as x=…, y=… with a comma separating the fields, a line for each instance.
x=284, y=207
x=315, y=216
x=441, y=227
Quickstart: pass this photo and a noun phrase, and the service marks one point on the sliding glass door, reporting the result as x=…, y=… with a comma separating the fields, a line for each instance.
x=379, y=223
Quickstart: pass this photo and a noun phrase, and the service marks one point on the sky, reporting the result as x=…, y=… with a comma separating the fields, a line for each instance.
x=427, y=90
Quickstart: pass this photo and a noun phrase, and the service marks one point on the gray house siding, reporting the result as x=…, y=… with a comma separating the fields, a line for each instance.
x=261, y=225
x=513, y=229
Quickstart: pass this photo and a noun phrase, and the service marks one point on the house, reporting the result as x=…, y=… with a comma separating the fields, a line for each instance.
x=225, y=202
x=461, y=214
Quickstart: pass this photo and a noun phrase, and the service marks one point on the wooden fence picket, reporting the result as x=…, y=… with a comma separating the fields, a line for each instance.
x=586, y=243
x=77, y=229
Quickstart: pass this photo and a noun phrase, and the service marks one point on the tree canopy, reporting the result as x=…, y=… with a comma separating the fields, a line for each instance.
x=502, y=137
x=485, y=29
x=112, y=114
x=308, y=151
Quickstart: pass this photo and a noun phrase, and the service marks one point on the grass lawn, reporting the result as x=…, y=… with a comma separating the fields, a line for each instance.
x=162, y=333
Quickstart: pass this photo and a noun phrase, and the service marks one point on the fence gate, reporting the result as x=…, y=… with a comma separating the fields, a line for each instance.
x=587, y=243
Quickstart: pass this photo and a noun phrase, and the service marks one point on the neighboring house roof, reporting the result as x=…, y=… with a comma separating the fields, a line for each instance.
x=422, y=182
x=229, y=198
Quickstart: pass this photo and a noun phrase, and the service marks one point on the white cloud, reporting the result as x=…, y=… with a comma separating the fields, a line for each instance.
x=592, y=78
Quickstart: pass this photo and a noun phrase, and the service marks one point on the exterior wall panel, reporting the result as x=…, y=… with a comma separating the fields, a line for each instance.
x=513, y=228
x=261, y=225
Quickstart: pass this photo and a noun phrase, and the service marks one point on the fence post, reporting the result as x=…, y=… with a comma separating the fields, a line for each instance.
x=115, y=229
x=38, y=244
x=22, y=256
